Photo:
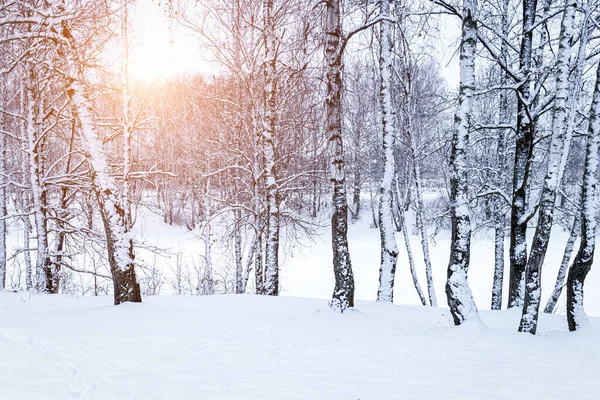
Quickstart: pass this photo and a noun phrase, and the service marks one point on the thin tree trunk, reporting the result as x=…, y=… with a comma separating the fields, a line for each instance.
x=237, y=237
x=411, y=260
x=343, y=293
x=3, y=183
x=208, y=286
x=499, y=216
x=389, y=248
x=23, y=199
x=460, y=298
x=421, y=227
x=562, y=271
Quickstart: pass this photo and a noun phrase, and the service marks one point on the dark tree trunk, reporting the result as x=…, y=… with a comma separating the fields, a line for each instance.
x=523, y=155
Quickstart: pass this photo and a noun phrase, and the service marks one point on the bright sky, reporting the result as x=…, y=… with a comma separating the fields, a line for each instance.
x=159, y=47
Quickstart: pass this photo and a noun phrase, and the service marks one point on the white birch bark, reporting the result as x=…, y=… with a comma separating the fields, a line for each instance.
x=37, y=192
x=420, y=220
x=239, y=268
x=460, y=299
x=343, y=292
x=499, y=217
x=564, y=266
x=389, y=248
x=560, y=136
x=576, y=317
x=209, y=286
x=118, y=238
x=126, y=122
x=3, y=183
x=23, y=198
x=271, y=284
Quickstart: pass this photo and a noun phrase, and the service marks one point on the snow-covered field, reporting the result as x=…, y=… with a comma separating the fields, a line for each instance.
x=294, y=347
x=306, y=269
x=249, y=347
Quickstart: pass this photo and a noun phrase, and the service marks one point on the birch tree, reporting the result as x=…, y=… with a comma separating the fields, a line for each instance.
x=268, y=139
x=584, y=258
x=458, y=293
x=389, y=248
x=560, y=138
x=524, y=138
x=343, y=292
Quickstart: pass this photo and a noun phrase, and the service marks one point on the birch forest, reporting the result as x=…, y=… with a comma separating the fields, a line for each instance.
x=472, y=120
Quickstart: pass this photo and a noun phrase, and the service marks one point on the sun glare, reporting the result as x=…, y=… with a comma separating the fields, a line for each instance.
x=158, y=48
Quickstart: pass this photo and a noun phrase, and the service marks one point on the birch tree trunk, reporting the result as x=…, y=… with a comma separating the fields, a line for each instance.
x=271, y=284
x=119, y=240
x=560, y=136
x=389, y=248
x=126, y=123
x=564, y=265
x=23, y=198
x=208, y=281
x=573, y=107
x=3, y=184
x=239, y=268
x=343, y=292
x=499, y=217
x=420, y=217
x=523, y=154
x=411, y=259
x=458, y=293
x=582, y=264
x=43, y=262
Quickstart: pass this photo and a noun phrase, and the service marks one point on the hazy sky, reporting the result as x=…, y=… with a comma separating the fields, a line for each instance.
x=161, y=47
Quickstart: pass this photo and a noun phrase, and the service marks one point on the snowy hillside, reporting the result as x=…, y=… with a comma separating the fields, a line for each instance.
x=250, y=347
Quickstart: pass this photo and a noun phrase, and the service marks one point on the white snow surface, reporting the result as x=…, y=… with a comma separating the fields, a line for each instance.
x=251, y=347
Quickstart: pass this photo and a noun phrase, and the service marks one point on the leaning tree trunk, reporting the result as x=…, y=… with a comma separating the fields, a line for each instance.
x=411, y=259
x=575, y=90
x=582, y=264
x=389, y=248
x=460, y=299
x=421, y=227
x=560, y=136
x=562, y=271
x=119, y=239
x=343, y=293
x=271, y=284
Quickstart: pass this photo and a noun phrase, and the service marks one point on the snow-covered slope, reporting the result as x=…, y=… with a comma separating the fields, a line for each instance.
x=248, y=347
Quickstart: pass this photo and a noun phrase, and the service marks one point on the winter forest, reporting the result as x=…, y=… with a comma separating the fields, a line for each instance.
x=267, y=177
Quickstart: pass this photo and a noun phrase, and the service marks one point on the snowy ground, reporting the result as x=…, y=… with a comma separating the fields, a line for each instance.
x=306, y=269
x=308, y=273
x=248, y=347
x=294, y=347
